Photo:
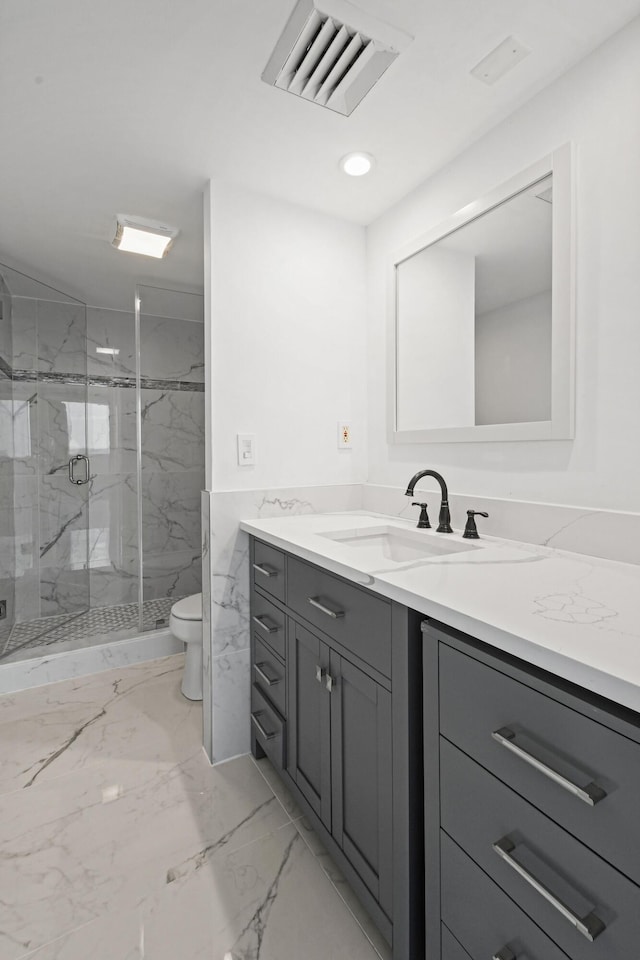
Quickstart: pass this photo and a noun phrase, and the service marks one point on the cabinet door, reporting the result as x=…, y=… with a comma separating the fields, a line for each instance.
x=362, y=775
x=309, y=719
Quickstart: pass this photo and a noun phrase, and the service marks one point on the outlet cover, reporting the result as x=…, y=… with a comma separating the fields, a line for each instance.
x=344, y=435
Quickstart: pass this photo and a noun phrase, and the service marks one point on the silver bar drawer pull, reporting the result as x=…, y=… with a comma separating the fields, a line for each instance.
x=335, y=614
x=261, y=730
x=265, y=570
x=505, y=954
x=590, y=794
x=590, y=926
x=270, y=681
x=267, y=627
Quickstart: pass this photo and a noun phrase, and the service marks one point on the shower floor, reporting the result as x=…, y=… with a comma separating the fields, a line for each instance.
x=68, y=632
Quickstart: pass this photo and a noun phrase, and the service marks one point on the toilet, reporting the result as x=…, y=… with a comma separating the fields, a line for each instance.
x=185, y=624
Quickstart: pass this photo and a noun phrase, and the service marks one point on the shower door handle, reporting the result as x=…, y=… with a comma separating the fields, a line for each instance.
x=72, y=469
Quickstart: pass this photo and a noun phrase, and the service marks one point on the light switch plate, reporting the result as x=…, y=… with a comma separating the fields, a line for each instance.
x=246, y=449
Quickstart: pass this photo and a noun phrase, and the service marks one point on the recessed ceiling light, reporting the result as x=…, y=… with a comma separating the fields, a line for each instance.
x=112, y=351
x=357, y=164
x=147, y=237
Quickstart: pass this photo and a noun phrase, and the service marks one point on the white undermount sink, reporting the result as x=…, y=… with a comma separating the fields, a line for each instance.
x=380, y=546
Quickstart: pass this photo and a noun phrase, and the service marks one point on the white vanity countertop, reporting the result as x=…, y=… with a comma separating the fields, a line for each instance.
x=575, y=616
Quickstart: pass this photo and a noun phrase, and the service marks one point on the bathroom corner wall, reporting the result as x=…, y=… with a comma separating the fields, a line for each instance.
x=285, y=297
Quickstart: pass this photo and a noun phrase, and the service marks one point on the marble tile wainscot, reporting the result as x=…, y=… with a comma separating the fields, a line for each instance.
x=226, y=570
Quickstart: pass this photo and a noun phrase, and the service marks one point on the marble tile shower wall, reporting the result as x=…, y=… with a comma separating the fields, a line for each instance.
x=61, y=530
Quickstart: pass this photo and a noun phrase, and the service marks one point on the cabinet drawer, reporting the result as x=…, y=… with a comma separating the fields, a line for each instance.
x=268, y=569
x=268, y=623
x=485, y=921
x=480, y=813
x=268, y=673
x=357, y=620
x=451, y=949
x=477, y=701
x=267, y=727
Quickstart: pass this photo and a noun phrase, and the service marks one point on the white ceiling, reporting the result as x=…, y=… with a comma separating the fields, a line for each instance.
x=130, y=106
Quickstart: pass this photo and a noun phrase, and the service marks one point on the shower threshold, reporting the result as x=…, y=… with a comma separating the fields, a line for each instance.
x=33, y=638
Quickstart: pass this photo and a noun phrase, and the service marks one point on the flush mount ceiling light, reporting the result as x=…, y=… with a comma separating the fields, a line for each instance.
x=357, y=164
x=148, y=237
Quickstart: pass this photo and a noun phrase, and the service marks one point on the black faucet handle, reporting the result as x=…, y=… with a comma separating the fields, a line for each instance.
x=470, y=530
x=423, y=522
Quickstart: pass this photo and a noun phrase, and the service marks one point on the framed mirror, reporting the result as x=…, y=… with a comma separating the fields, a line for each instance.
x=482, y=317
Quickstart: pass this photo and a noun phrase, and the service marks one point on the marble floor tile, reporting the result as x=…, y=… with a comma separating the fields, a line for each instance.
x=113, y=836
x=269, y=900
x=106, y=938
x=342, y=887
x=119, y=841
x=279, y=788
x=135, y=713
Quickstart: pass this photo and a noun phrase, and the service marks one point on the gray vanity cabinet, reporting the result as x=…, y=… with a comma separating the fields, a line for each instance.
x=361, y=763
x=339, y=735
x=350, y=725
x=309, y=720
x=535, y=850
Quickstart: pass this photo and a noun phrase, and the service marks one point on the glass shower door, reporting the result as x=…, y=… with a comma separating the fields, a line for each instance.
x=45, y=473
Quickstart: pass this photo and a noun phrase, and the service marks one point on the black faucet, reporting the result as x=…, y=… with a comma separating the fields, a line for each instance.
x=471, y=530
x=444, y=525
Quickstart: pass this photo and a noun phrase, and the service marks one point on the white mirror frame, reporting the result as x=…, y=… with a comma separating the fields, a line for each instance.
x=561, y=426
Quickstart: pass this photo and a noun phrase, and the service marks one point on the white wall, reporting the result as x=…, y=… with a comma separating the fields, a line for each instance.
x=288, y=336
x=595, y=105
x=513, y=361
x=436, y=299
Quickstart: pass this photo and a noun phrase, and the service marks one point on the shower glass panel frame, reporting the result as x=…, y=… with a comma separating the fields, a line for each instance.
x=170, y=447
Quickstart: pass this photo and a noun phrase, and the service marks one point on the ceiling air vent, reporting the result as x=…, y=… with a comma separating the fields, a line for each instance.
x=333, y=56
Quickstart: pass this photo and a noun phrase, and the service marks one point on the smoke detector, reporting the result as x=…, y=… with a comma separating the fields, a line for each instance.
x=332, y=53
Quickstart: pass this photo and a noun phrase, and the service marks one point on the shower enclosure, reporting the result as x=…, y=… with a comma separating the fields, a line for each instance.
x=101, y=465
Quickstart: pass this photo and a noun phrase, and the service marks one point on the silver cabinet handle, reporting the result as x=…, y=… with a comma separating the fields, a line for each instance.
x=268, y=628
x=261, y=730
x=505, y=954
x=329, y=682
x=336, y=614
x=270, y=681
x=590, y=794
x=590, y=926
x=87, y=469
x=319, y=673
x=265, y=571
